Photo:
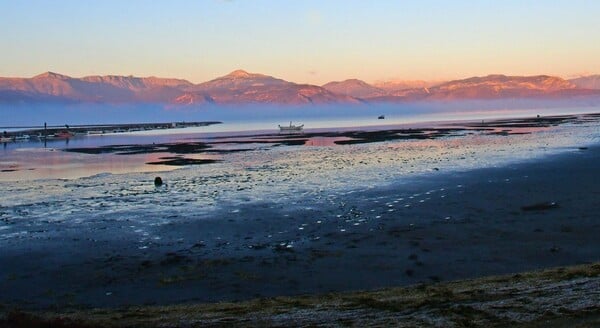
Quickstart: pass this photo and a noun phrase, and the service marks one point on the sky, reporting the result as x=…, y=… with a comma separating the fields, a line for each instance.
x=301, y=41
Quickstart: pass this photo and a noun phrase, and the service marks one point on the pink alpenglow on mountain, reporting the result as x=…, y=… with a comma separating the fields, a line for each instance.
x=587, y=82
x=241, y=87
x=109, y=89
x=355, y=88
x=493, y=87
x=398, y=85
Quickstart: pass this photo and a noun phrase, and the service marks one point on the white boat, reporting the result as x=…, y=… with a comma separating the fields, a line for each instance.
x=6, y=139
x=291, y=128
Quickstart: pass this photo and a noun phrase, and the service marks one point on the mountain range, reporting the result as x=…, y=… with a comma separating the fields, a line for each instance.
x=241, y=87
x=587, y=82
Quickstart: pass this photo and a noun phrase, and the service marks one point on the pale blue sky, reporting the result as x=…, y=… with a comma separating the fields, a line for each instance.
x=301, y=41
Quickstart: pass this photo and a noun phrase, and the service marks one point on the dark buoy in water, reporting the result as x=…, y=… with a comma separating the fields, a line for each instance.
x=158, y=182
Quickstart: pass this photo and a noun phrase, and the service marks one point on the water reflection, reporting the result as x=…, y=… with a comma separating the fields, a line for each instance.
x=324, y=141
x=45, y=158
x=40, y=163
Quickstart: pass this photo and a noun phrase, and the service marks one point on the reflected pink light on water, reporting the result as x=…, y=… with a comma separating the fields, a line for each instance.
x=324, y=141
x=58, y=164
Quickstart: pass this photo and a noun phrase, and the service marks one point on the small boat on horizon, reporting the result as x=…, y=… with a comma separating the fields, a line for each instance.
x=381, y=117
x=291, y=128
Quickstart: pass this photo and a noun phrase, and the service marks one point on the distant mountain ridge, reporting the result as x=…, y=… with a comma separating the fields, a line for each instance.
x=398, y=85
x=355, y=88
x=110, y=88
x=587, y=82
x=241, y=87
x=495, y=86
x=499, y=86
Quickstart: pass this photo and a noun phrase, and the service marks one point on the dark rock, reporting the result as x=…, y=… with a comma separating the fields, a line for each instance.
x=283, y=247
x=199, y=245
x=258, y=246
x=182, y=161
x=540, y=206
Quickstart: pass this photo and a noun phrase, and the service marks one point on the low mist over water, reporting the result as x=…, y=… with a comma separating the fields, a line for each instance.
x=261, y=116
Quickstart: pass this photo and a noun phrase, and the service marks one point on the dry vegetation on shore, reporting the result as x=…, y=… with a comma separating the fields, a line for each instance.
x=568, y=296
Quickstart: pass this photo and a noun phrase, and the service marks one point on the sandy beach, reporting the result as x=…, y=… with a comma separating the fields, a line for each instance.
x=240, y=229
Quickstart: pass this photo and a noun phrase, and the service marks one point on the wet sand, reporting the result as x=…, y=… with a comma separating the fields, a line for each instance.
x=329, y=138
x=434, y=142
x=433, y=227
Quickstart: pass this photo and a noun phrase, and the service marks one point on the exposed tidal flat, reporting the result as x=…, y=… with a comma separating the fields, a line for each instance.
x=275, y=215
